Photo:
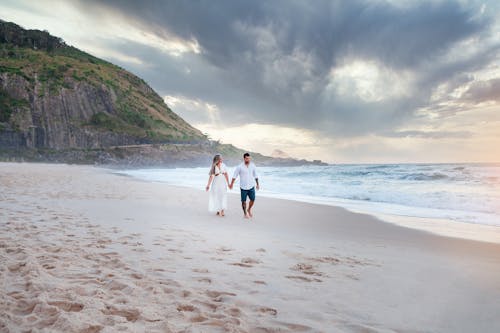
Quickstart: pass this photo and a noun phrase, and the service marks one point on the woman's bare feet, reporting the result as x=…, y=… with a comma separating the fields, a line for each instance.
x=222, y=213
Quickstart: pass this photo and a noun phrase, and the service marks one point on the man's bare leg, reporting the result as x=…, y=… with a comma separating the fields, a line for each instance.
x=250, y=208
x=244, y=206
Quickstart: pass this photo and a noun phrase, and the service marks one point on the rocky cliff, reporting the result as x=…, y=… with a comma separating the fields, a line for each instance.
x=54, y=96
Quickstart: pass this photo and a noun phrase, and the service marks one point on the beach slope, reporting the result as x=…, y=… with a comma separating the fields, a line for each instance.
x=86, y=250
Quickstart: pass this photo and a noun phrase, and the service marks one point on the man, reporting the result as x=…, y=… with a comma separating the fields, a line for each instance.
x=248, y=182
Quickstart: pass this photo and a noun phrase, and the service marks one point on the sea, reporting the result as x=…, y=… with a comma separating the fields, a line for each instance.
x=458, y=193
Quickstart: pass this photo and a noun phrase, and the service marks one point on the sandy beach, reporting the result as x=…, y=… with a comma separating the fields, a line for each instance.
x=86, y=250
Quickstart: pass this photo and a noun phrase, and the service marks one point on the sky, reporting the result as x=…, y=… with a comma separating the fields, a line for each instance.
x=381, y=81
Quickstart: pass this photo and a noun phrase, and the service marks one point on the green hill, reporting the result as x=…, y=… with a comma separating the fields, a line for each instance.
x=55, y=96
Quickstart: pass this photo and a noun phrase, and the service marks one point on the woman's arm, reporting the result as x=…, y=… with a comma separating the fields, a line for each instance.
x=209, y=182
x=227, y=178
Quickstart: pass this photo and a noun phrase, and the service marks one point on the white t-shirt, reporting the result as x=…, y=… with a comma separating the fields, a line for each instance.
x=247, y=175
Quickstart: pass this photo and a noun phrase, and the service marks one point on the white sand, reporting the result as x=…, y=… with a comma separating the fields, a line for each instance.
x=83, y=250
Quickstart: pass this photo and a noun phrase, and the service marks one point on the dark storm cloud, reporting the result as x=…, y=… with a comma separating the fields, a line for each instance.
x=270, y=61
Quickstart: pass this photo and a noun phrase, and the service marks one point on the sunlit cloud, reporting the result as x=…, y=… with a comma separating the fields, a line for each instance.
x=369, y=81
x=265, y=138
x=111, y=54
x=191, y=109
x=89, y=30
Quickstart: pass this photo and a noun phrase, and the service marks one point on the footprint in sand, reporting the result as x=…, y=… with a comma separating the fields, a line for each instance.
x=186, y=308
x=246, y=262
x=16, y=267
x=218, y=296
x=302, y=278
x=205, y=279
x=234, y=312
x=300, y=328
x=92, y=329
x=267, y=310
x=306, y=269
x=137, y=276
x=67, y=306
x=350, y=261
x=48, y=266
x=224, y=250
x=329, y=260
x=212, y=307
x=129, y=314
x=240, y=264
x=24, y=307
x=250, y=261
x=198, y=319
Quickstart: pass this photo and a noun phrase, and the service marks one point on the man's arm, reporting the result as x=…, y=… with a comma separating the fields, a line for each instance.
x=256, y=177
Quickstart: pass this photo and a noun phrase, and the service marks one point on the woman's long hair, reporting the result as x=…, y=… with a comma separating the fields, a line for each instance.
x=216, y=160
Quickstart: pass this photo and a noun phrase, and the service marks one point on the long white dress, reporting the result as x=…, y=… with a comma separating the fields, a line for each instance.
x=217, y=198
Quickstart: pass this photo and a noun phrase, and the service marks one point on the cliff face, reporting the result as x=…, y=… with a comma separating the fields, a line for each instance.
x=58, y=121
x=54, y=96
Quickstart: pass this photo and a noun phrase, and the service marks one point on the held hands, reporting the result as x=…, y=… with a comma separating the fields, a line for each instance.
x=257, y=187
x=207, y=188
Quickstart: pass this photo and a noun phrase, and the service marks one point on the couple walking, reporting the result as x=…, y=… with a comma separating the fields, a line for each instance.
x=219, y=181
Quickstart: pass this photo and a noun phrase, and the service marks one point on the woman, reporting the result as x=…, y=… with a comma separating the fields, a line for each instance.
x=217, y=199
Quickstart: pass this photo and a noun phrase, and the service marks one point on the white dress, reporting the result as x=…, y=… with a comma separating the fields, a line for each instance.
x=217, y=198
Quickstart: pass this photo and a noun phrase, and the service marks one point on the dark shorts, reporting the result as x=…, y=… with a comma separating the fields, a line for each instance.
x=250, y=193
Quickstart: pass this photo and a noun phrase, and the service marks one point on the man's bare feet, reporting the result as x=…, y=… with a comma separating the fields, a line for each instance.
x=250, y=213
x=218, y=213
x=246, y=216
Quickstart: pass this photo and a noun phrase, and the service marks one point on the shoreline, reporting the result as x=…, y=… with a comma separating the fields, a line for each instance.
x=87, y=251
x=439, y=226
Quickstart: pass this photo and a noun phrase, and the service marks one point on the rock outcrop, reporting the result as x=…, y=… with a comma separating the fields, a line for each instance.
x=56, y=97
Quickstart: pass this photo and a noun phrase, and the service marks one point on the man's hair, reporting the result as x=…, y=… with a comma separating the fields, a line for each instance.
x=246, y=155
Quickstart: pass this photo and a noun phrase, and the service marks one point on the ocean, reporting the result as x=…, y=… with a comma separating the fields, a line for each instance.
x=468, y=193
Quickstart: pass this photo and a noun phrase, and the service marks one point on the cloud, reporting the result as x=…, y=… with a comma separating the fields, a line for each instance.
x=341, y=70
x=429, y=134
x=344, y=68
x=484, y=91
x=193, y=110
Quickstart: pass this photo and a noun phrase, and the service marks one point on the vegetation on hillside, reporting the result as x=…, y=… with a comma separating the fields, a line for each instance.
x=47, y=63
